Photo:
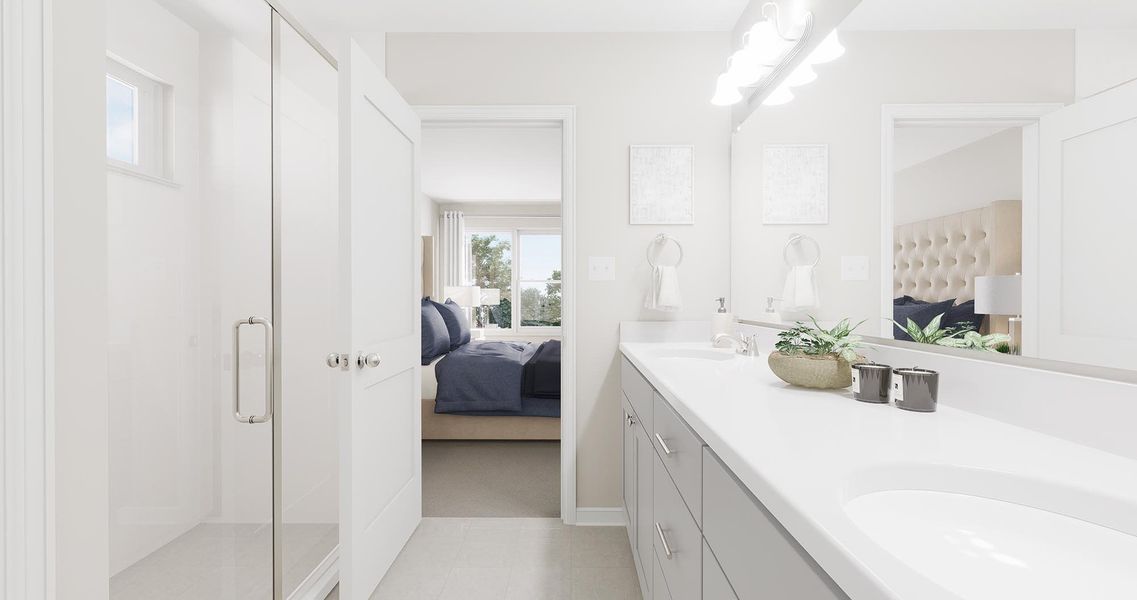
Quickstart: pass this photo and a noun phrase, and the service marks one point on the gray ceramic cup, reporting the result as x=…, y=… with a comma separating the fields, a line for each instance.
x=915, y=389
x=872, y=382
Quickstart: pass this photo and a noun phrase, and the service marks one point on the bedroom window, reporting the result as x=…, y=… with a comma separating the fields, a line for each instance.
x=137, y=122
x=530, y=284
x=540, y=279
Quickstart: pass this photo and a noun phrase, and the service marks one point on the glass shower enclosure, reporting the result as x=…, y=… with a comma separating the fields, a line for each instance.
x=224, y=299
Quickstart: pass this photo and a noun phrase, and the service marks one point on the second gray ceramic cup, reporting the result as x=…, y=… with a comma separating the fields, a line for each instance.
x=915, y=389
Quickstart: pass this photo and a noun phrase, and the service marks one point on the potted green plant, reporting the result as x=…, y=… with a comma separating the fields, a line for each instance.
x=815, y=357
x=955, y=337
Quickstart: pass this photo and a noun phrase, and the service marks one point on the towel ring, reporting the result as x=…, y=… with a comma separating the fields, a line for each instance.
x=663, y=239
x=796, y=239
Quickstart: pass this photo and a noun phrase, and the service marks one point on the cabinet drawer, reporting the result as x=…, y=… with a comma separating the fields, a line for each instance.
x=682, y=454
x=758, y=556
x=678, y=543
x=715, y=585
x=638, y=391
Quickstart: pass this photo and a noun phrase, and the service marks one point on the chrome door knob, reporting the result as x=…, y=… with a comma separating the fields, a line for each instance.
x=368, y=360
x=335, y=360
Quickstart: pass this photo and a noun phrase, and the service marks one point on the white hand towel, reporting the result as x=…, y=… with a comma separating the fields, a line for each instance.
x=800, y=292
x=664, y=294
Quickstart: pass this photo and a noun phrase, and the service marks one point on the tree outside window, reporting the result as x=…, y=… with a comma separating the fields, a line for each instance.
x=492, y=258
x=533, y=284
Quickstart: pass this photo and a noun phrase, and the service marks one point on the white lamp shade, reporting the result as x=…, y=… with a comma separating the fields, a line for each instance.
x=999, y=295
x=491, y=297
x=464, y=295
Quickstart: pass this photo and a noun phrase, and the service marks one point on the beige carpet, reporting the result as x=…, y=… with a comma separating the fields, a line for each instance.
x=491, y=479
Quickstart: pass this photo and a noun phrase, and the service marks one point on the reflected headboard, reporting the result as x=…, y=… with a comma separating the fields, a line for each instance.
x=938, y=259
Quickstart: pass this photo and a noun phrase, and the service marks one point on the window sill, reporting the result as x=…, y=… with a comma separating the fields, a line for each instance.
x=132, y=172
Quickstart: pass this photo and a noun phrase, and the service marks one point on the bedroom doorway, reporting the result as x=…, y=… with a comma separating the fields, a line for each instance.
x=498, y=403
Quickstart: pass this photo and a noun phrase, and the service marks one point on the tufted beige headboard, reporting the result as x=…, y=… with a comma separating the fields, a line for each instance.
x=938, y=259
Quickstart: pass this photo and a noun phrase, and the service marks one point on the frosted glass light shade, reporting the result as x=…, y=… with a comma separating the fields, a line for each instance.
x=745, y=69
x=781, y=95
x=764, y=44
x=726, y=93
x=999, y=295
x=829, y=49
x=802, y=75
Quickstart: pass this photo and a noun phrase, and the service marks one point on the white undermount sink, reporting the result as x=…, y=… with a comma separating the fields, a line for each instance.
x=982, y=548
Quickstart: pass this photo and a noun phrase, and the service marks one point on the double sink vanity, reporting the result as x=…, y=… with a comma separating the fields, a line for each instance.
x=737, y=486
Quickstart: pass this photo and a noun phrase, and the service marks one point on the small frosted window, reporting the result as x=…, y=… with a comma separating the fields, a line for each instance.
x=122, y=121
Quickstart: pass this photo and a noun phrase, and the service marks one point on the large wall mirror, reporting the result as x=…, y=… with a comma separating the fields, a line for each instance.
x=976, y=183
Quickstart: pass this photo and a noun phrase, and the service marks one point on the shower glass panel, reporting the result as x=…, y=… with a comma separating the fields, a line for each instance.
x=310, y=312
x=194, y=329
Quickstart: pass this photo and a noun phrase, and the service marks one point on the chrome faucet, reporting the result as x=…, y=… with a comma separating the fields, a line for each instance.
x=746, y=345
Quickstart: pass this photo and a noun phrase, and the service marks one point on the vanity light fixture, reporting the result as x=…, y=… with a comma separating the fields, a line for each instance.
x=780, y=95
x=768, y=48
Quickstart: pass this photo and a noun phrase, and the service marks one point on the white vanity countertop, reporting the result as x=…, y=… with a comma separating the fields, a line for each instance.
x=812, y=457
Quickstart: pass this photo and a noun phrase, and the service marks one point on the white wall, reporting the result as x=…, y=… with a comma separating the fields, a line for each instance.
x=963, y=179
x=628, y=89
x=78, y=90
x=1106, y=58
x=843, y=109
x=157, y=464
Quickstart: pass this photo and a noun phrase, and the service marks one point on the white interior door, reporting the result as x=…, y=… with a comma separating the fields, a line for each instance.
x=380, y=463
x=1087, y=186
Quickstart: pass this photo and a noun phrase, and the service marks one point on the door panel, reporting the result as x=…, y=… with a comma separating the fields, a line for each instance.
x=381, y=496
x=1086, y=186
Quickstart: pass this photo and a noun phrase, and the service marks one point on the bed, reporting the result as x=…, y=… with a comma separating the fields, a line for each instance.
x=493, y=390
x=937, y=260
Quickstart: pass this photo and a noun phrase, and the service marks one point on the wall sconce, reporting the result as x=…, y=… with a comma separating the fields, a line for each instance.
x=767, y=50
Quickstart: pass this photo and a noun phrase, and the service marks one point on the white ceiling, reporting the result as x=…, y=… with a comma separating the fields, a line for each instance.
x=887, y=15
x=518, y=15
x=491, y=164
x=914, y=145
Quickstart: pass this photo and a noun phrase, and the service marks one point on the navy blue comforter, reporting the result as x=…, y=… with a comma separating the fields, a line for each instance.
x=485, y=377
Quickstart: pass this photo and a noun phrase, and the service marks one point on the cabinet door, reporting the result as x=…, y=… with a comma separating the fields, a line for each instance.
x=629, y=469
x=645, y=530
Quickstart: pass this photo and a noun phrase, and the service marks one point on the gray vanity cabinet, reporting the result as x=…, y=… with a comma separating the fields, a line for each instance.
x=757, y=555
x=628, y=469
x=696, y=531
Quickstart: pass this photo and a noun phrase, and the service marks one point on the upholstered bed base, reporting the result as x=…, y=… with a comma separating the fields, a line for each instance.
x=437, y=426
x=444, y=426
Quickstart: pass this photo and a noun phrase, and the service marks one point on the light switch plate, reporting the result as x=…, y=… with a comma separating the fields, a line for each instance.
x=854, y=268
x=601, y=268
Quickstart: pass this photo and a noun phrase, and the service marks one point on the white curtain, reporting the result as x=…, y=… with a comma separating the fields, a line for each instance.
x=453, y=255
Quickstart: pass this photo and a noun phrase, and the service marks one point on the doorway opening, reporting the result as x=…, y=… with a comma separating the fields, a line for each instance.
x=498, y=426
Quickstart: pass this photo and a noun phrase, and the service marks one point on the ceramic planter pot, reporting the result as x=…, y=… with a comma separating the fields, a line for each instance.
x=820, y=372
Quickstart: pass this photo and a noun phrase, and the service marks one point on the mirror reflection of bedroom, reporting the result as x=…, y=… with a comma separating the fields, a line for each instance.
x=957, y=241
x=491, y=317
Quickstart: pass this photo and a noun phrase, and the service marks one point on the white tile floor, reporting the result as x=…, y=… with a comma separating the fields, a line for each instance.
x=508, y=559
x=217, y=561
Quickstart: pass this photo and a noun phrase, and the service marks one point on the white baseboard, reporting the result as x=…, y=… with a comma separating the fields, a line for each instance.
x=599, y=516
x=320, y=582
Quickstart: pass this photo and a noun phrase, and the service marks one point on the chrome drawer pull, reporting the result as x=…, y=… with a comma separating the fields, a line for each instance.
x=663, y=444
x=663, y=539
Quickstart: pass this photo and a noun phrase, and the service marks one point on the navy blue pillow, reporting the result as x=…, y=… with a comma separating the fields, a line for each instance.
x=963, y=315
x=906, y=300
x=435, y=335
x=922, y=314
x=456, y=322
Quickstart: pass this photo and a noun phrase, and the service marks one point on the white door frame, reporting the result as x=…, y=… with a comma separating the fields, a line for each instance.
x=1025, y=115
x=26, y=302
x=566, y=116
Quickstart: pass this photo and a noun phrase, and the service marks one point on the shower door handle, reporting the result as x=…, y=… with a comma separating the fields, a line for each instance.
x=251, y=419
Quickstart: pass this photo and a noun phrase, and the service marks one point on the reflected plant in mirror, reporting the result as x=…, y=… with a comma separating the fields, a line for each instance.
x=962, y=336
